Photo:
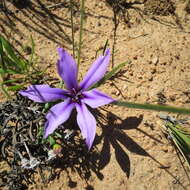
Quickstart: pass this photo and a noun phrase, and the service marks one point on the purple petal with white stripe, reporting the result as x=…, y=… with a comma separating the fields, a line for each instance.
x=43, y=93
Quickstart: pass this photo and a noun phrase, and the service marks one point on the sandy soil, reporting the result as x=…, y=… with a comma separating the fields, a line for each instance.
x=130, y=151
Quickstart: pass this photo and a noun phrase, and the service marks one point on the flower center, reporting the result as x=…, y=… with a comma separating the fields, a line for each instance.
x=76, y=96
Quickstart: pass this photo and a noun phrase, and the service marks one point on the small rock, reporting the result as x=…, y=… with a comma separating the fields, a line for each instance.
x=117, y=93
x=150, y=78
x=155, y=60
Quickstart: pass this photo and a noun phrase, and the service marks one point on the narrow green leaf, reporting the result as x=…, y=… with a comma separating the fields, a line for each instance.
x=110, y=74
x=10, y=52
x=183, y=139
x=40, y=131
x=61, y=84
x=47, y=106
x=1, y=46
x=12, y=80
x=24, y=65
x=9, y=49
x=5, y=92
x=10, y=64
x=2, y=71
x=2, y=64
x=8, y=71
x=153, y=107
x=51, y=140
x=15, y=87
x=182, y=147
x=58, y=135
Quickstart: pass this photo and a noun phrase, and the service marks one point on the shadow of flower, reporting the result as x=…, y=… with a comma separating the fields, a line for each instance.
x=113, y=136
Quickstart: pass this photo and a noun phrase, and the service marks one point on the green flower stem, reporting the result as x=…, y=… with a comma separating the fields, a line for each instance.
x=72, y=27
x=153, y=107
x=81, y=31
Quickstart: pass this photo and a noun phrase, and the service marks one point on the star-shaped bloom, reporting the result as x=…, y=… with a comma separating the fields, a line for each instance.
x=75, y=95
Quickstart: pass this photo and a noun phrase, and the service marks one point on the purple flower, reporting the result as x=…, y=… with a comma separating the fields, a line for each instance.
x=75, y=96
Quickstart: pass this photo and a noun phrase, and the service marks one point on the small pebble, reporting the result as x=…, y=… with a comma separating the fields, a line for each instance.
x=155, y=60
x=117, y=93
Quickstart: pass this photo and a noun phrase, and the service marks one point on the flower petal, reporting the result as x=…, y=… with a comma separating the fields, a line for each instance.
x=94, y=98
x=96, y=71
x=57, y=115
x=87, y=124
x=67, y=69
x=43, y=93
